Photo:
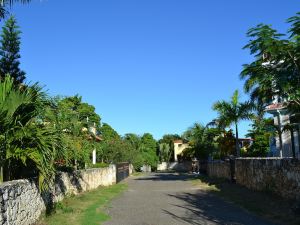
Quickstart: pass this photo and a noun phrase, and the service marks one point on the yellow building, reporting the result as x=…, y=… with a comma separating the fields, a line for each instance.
x=179, y=147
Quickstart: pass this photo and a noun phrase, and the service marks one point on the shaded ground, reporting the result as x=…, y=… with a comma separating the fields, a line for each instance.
x=169, y=199
x=263, y=203
x=83, y=209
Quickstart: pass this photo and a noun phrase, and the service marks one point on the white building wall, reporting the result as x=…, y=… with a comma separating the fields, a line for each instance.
x=178, y=149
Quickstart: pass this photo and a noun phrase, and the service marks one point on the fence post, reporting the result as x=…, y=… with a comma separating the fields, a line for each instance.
x=232, y=169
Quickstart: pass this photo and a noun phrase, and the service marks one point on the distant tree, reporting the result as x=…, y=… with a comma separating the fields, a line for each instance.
x=232, y=112
x=169, y=139
x=9, y=51
x=84, y=112
x=70, y=116
x=134, y=140
x=108, y=133
x=201, y=140
x=262, y=129
x=226, y=142
x=164, y=152
x=148, y=149
x=149, y=142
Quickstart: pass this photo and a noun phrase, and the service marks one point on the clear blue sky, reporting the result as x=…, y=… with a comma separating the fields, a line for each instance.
x=146, y=65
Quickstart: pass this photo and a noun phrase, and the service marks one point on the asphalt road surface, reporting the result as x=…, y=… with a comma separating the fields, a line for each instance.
x=171, y=199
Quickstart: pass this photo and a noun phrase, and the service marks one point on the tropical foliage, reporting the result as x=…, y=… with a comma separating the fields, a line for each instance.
x=5, y=5
x=40, y=135
x=232, y=112
x=202, y=141
x=25, y=139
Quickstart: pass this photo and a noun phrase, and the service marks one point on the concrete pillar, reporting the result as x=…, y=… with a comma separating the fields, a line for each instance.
x=94, y=157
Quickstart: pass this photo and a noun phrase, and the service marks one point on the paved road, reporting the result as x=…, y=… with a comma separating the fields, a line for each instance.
x=170, y=199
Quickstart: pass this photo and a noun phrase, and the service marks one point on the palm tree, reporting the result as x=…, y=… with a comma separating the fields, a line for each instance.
x=25, y=138
x=8, y=3
x=201, y=139
x=232, y=112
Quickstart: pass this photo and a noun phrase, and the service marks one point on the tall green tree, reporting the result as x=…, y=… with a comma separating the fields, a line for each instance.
x=10, y=51
x=261, y=132
x=275, y=70
x=232, y=113
x=148, y=150
x=169, y=139
x=108, y=133
x=164, y=152
x=75, y=119
x=261, y=80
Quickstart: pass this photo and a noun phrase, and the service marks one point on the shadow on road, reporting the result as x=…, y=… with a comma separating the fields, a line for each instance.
x=168, y=177
x=221, y=201
x=201, y=206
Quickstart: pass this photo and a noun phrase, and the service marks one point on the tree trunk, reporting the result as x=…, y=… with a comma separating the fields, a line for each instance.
x=298, y=131
x=293, y=143
x=1, y=174
x=237, y=145
x=280, y=143
x=280, y=136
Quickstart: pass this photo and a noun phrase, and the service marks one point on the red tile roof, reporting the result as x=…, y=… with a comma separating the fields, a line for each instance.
x=275, y=106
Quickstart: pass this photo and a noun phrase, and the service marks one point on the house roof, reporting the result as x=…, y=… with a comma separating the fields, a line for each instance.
x=245, y=139
x=96, y=138
x=275, y=106
x=178, y=141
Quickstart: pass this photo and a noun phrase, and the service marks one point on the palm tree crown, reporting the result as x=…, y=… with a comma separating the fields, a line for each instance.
x=233, y=112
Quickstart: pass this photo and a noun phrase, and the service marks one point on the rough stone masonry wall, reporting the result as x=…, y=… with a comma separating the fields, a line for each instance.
x=219, y=169
x=83, y=180
x=22, y=203
x=280, y=176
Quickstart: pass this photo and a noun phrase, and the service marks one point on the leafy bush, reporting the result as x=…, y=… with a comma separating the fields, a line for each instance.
x=98, y=165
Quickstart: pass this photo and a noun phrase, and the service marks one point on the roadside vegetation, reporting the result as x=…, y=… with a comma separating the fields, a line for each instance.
x=86, y=208
x=41, y=134
x=273, y=74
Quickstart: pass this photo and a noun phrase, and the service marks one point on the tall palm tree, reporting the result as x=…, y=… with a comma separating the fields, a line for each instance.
x=4, y=4
x=232, y=112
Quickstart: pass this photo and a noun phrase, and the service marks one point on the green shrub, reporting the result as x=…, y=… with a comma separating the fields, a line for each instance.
x=98, y=165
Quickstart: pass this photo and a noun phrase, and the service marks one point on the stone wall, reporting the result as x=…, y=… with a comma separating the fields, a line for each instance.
x=219, y=169
x=185, y=166
x=22, y=203
x=131, y=169
x=277, y=175
x=83, y=180
x=280, y=176
x=163, y=166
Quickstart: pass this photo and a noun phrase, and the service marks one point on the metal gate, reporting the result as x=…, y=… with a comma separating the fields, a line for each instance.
x=122, y=170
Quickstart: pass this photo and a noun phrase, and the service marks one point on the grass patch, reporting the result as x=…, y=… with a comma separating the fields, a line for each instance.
x=264, y=204
x=86, y=208
x=138, y=174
